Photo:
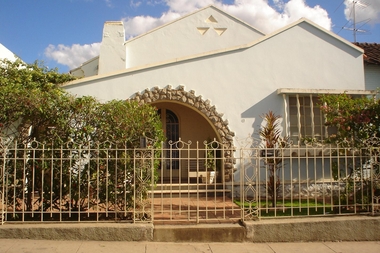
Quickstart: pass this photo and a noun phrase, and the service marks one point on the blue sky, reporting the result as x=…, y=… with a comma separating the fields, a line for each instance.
x=65, y=33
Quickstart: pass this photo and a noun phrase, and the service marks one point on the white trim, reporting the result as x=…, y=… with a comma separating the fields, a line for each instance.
x=287, y=131
x=312, y=116
x=299, y=118
x=324, y=91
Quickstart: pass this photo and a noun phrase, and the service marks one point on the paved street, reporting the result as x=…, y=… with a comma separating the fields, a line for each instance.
x=45, y=246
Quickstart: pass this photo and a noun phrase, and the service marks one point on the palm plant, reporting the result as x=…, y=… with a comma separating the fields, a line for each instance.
x=273, y=143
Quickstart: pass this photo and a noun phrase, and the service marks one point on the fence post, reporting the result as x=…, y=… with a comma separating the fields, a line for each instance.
x=2, y=173
x=375, y=175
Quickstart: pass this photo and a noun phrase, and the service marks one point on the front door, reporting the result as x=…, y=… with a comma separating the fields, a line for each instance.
x=170, y=167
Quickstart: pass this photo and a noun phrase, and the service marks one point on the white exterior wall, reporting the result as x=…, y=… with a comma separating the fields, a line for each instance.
x=112, y=50
x=181, y=38
x=372, y=77
x=242, y=84
x=89, y=68
x=5, y=53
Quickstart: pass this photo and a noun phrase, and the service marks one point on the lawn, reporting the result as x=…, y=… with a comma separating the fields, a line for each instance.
x=290, y=208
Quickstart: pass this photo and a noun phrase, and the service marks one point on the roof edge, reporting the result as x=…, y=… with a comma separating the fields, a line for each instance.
x=325, y=91
x=305, y=20
x=192, y=13
x=84, y=63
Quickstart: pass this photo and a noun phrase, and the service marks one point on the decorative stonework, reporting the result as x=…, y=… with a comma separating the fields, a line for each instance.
x=202, y=106
x=203, y=30
x=211, y=21
x=220, y=31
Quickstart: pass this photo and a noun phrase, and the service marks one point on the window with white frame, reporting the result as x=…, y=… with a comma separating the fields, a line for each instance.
x=306, y=120
x=303, y=118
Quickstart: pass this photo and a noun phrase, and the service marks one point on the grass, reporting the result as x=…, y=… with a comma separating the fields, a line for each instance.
x=286, y=203
x=290, y=208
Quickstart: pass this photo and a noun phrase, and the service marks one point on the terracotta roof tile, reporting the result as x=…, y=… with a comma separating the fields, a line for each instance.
x=371, y=52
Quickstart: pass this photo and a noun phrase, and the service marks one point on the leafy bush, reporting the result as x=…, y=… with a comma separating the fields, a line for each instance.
x=74, y=152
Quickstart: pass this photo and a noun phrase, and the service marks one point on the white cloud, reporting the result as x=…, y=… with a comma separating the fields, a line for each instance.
x=258, y=13
x=134, y=4
x=365, y=10
x=141, y=24
x=186, y=6
x=262, y=14
x=109, y=3
x=268, y=18
x=72, y=56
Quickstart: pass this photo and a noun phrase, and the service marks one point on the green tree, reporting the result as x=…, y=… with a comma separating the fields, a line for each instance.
x=35, y=107
x=31, y=99
x=356, y=119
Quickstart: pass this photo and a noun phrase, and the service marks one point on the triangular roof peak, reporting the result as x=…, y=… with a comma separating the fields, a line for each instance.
x=311, y=23
x=210, y=19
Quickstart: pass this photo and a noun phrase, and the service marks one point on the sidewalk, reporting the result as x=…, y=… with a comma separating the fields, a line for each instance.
x=46, y=246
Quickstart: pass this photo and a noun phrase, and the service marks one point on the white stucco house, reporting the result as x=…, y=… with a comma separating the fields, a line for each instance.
x=371, y=64
x=5, y=53
x=212, y=75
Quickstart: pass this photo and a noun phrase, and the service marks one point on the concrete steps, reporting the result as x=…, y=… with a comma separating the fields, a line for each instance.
x=192, y=190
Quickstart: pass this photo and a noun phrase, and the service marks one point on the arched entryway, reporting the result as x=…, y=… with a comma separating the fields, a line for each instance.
x=190, y=118
x=181, y=122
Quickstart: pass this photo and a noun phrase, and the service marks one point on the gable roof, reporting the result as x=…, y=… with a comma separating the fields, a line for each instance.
x=371, y=52
x=311, y=23
x=192, y=13
x=219, y=51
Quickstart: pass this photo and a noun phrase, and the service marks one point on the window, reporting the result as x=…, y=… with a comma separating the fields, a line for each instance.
x=306, y=119
x=303, y=118
x=171, y=126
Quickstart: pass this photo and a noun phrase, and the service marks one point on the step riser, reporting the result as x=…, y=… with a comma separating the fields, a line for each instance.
x=190, y=195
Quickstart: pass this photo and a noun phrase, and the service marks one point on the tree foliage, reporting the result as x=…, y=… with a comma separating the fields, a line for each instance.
x=34, y=106
x=35, y=110
x=30, y=95
x=356, y=119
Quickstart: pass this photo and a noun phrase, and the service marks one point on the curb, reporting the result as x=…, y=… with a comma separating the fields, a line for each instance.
x=348, y=228
x=79, y=231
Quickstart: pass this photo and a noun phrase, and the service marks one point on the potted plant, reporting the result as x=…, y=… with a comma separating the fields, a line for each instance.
x=210, y=162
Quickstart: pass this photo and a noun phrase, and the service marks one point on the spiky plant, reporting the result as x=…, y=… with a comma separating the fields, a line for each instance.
x=273, y=142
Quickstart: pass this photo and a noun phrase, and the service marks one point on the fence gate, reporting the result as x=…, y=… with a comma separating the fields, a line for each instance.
x=200, y=186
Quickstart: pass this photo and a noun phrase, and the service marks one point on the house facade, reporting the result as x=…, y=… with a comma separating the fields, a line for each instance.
x=371, y=64
x=5, y=53
x=211, y=75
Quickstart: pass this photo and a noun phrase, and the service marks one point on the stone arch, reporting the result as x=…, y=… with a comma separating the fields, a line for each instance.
x=198, y=103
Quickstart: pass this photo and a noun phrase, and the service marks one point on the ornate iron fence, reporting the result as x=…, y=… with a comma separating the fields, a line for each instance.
x=309, y=180
x=186, y=182
x=75, y=181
